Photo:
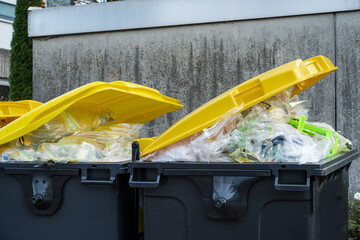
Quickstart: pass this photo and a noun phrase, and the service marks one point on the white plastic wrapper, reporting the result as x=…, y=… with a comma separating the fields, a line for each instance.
x=209, y=145
x=275, y=143
x=290, y=146
x=343, y=144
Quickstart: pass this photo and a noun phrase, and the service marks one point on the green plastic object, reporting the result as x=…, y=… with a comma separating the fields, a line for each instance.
x=311, y=130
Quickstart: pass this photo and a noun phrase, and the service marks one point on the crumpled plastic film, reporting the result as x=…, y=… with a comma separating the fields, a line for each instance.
x=52, y=131
x=16, y=154
x=264, y=135
x=281, y=108
x=79, y=118
x=251, y=131
x=209, y=145
x=212, y=144
x=82, y=133
x=104, y=144
x=178, y=152
x=343, y=144
x=65, y=151
x=85, y=117
x=289, y=145
x=261, y=133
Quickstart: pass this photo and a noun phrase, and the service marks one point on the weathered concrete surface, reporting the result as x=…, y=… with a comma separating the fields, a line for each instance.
x=191, y=63
x=347, y=84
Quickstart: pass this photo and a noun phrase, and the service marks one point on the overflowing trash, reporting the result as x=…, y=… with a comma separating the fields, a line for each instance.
x=80, y=134
x=274, y=130
x=96, y=122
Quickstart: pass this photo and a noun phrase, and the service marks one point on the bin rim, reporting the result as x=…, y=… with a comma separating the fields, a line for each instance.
x=320, y=168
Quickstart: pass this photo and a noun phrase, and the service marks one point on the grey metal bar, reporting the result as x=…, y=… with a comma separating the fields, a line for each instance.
x=136, y=14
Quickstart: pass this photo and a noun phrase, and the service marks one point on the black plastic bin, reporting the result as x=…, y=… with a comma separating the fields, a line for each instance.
x=248, y=201
x=66, y=202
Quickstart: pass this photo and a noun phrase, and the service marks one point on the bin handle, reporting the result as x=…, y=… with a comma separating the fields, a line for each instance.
x=292, y=187
x=144, y=184
x=88, y=181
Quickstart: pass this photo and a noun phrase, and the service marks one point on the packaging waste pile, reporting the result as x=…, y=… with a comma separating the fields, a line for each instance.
x=246, y=159
x=94, y=123
x=79, y=134
x=274, y=130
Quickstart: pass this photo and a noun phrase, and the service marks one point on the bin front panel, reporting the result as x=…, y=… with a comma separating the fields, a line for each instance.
x=186, y=207
x=87, y=211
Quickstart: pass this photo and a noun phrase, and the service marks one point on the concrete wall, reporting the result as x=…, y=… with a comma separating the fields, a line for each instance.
x=347, y=84
x=196, y=63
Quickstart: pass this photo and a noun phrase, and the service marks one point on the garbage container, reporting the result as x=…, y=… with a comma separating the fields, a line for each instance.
x=201, y=200
x=86, y=200
x=244, y=201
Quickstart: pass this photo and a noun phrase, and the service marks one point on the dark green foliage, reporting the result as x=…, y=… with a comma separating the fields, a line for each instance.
x=20, y=78
x=354, y=220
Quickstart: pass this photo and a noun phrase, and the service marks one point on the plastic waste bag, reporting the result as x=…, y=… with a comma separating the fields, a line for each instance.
x=78, y=118
x=290, y=146
x=261, y=133
x=82, y=133
x=209, y=145
x=259, y=138
x=327, y=143
x=281, y=108
x=104, y=144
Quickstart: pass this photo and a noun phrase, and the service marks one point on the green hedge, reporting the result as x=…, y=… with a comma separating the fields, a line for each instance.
x=20, y=78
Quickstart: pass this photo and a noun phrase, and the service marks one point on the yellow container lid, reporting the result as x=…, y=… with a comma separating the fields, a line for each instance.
x=297, y=74
x=18, y=108
x=9, y=111
x=129, y=102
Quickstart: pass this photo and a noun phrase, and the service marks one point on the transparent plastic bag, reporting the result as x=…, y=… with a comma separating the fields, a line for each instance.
x=325, y=144
x=79, y=118
x=176, y=152
x=69, y=152
x=81, y=133
x=251, y=130
x=52, y=131
x=262, y=136
x=242, y=135
x=289, y=146
x=209, y=145
x=212, y=144
x=118, y=142
x=282, y=108
x=24, y=154
x=85, y=117
x=104, y=144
